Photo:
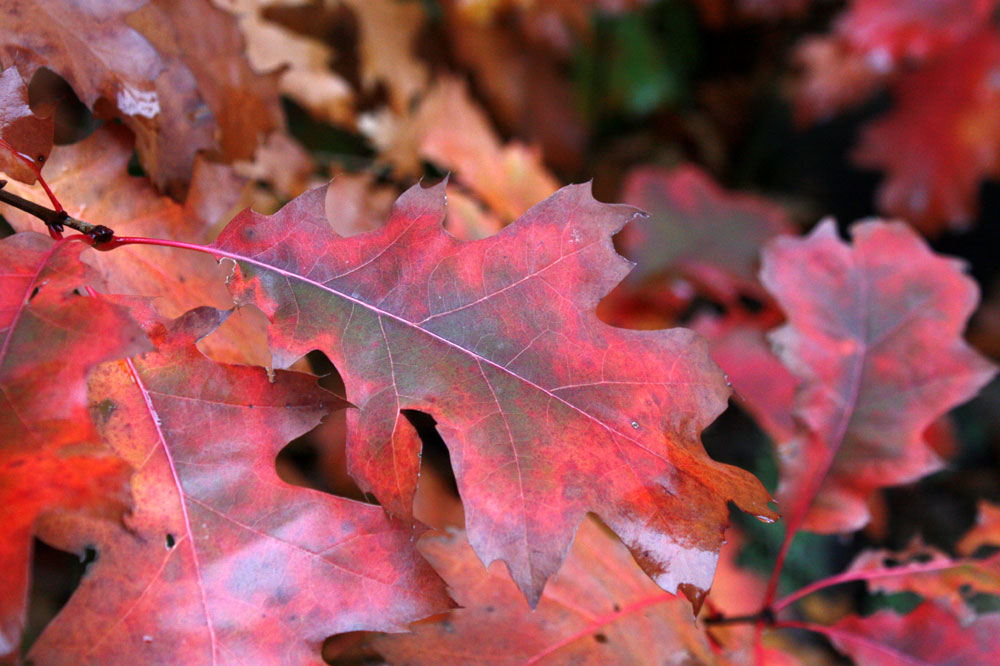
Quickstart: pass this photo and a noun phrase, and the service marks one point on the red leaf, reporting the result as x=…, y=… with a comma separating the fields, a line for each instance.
x=935, y=576
x=763, y=386
x=874, y=333
x=93, y=183
x=941, y=138
x=221, y=561
x=928, y=635
x=888, y=31
x=535, y=397
x=698, y=230
x=599, y=609
x=51, y=458
x=20, y=129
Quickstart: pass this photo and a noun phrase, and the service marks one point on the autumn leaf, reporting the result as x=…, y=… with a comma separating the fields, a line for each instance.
x=388, y=32
x=519, y=71
x=51, y=458
x=874, y=335
x=986, y=531
x=831, y=77
x=301, y=63
x=449, y=130
x=941, y=139
x=763, y=386
x=928, y=635
x=599, y=609
x=889, y=32
x=697, y=230
x=221, y=561
x=20, y=130
x=935, y=576
x=498, y=341
x=93, y=183
x=182, y=84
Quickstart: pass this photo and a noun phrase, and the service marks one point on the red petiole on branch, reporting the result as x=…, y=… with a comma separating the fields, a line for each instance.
x=36, y=166
x=57, y=220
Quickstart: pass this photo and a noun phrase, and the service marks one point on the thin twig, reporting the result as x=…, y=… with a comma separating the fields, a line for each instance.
x=56, y=220
x=766, y=616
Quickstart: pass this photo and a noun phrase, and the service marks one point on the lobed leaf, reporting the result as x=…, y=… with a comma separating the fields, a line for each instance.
x=874, y=335
x=535, y=397
x=51, y=457
x=220, y=561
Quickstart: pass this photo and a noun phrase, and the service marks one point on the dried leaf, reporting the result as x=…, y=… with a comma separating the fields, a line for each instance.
x=21, y=129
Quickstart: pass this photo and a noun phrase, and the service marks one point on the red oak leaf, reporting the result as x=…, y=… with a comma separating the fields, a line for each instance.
x=51, y=458
x=874, y=334
x=887, y=31
x=928, y=635
x=599, y=609
x=698, y=230
x=20, y=129
x=941, y=138
x=932, y=574
x=535, y=397
x=221, y=562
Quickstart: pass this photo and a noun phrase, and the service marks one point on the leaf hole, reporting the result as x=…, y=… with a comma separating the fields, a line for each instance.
x=171, y=542
x=600, y=638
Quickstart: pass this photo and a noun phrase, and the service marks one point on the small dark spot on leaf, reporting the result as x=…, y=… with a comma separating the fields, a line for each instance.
x=41, y=158
x=600, y=638
x=490, y=609
x=170, y=541
x=34, y=292
x=617, y=608
x=106, y=408
x=249, y=406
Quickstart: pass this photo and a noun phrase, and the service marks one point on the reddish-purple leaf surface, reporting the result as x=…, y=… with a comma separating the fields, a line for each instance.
x=535, y=397
x=698, y=230
x=763, y=386
x=221, y=562
x=51, y=457
x=927, y=636
x=874, y=334
x=930, y=573
x=599, y=609
x=941, y=138
x=889, y=31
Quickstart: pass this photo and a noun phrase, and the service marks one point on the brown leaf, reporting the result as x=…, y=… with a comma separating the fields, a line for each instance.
x=21, y=130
